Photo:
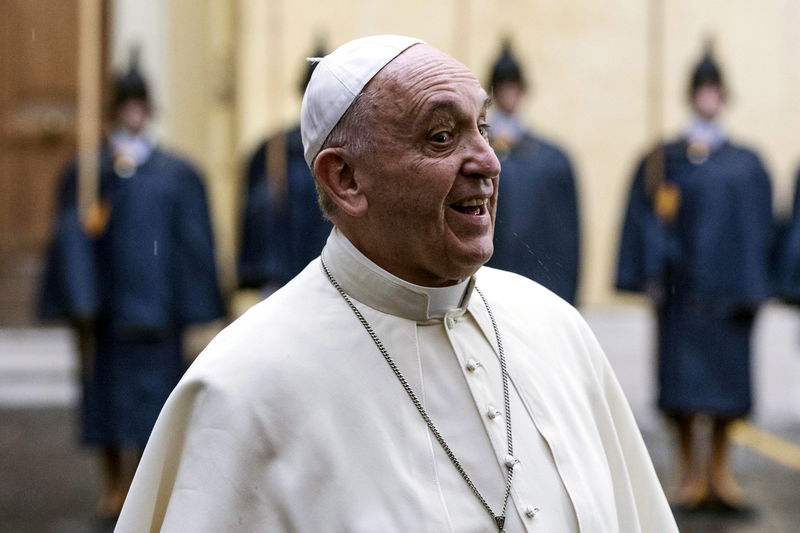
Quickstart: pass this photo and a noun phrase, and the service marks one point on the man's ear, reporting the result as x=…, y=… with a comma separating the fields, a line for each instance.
x=336, y=175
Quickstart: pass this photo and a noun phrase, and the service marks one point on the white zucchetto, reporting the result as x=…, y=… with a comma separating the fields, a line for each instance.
x=338, y=78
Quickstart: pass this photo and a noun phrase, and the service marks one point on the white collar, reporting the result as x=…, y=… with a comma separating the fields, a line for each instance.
x=710, y=133
x=505, y=126
x=370, y=284
x=137, y=146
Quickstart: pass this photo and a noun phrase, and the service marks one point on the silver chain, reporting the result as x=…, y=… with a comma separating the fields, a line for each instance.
x=500, y=518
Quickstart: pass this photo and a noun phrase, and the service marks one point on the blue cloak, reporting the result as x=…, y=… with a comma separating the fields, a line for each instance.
x=707, y=273
x=280, y=236
x=135, y=287
x=537, y=229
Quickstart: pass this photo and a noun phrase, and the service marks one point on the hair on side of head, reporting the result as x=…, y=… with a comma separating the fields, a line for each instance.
x=350, y=133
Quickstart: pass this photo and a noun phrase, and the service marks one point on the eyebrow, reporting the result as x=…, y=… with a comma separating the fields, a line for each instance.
x=436, y=108
x=450, y=106
x=489, y=102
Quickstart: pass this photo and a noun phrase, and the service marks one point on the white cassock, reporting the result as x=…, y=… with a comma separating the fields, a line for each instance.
x=291, y=419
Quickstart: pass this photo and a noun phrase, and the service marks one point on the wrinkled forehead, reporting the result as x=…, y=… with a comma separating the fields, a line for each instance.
x=423, y=59
x=421, y=67
x=423, y=77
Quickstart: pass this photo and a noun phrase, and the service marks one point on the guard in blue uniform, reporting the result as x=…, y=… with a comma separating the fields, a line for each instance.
x=282, y=228
x=130, y=277
x=537, y=229
x=696, y=239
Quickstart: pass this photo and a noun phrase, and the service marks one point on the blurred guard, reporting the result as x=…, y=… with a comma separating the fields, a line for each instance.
x=696, y=239
x=282, y=228
x=130, y=279
x=538, y=231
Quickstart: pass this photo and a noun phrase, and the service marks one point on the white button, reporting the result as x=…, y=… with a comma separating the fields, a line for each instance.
x=472, y=365
x=492, y=413
x=511, y=461
x=530, y=511
x=449, y=322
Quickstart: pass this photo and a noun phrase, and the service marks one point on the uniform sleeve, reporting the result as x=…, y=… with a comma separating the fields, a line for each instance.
x=572, y=215
x=752, y=228
x=69, y=286
x=787, y=256
x=643, y=252
x=762, y=232
x=251, y=267
x=198, y=292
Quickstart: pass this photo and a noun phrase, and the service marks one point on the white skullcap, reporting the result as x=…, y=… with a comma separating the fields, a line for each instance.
x=338, y=78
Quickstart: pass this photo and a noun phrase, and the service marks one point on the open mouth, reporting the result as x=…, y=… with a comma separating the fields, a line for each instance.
x=473, y=206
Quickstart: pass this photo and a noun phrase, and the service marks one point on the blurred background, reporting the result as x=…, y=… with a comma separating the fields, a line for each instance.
x=606, y=81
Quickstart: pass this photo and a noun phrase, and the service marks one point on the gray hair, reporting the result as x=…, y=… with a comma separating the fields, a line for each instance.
x=348, y=133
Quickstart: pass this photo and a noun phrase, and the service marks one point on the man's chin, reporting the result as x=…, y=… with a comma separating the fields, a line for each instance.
x=474, y=257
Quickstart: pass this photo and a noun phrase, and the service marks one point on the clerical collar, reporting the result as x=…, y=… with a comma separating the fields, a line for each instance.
x=370, y=284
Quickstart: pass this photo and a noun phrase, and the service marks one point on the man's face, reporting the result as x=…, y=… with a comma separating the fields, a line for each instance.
x=507, y=96
x=133, y=115
x=708, y=100
x=431, y=183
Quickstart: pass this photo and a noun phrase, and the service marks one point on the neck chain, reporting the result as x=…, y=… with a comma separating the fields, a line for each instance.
x=510, y=462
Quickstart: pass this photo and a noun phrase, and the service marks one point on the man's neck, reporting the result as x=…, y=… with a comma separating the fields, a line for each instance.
x=374, y=256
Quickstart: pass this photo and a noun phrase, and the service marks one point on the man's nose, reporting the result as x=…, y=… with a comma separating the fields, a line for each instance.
x=481, y=161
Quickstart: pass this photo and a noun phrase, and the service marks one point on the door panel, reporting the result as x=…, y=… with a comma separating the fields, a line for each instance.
x=38, y=108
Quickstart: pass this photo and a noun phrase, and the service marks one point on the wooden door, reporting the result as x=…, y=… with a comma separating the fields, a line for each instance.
x=38, y=112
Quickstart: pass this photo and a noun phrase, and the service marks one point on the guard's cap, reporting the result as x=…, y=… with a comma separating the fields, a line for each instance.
x=319, y=51
x=707, y=71
x=130, y=85
x=506, y=68
x=338, y=79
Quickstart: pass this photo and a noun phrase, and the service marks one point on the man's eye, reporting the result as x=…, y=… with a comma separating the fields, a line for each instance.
x=441, y=137
x=484, y=129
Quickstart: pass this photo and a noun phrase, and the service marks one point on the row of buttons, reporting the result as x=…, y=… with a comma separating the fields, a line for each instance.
x=492, y=412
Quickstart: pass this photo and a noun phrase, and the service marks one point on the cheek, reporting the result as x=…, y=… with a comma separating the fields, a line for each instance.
x=431, y=183
x=405, y=201
x=412, y=192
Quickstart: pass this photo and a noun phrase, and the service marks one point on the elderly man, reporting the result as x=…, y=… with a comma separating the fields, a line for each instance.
x=394, y=385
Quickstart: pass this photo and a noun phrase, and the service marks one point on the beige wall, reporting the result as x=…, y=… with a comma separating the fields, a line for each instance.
x=143, y=24
x=234, y=69
x=200, y=112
